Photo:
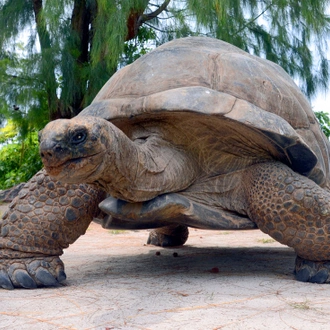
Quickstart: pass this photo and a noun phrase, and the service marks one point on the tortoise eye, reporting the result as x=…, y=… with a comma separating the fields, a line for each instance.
x=78, y=137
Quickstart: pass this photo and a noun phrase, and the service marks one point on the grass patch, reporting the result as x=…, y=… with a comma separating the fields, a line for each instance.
x=301, y=305
x=266, y=240
x=116, y=232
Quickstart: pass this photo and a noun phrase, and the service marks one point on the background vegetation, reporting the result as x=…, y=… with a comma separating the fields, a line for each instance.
x=56, y=55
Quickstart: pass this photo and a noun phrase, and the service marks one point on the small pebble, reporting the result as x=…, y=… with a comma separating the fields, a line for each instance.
x=214, y=270
x=157, y=253
x=175, y=254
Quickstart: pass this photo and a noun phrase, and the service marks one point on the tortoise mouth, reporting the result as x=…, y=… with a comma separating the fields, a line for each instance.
x=66, y=164
x=74, y=167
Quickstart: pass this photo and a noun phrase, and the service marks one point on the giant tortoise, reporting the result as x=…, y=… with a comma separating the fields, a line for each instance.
x=197, y=133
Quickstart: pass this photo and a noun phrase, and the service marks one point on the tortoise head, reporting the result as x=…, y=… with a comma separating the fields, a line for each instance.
x=73, y=150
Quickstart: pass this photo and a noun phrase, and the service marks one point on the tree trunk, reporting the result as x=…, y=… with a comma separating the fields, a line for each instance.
x=47, y=65
x=80, y=25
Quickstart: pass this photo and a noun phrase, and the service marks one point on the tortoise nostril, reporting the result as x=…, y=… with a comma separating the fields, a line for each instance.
x=46, y=154
x=51, y=151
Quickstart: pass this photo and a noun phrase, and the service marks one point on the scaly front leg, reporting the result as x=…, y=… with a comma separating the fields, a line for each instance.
x=295, y=211
x=41, y=221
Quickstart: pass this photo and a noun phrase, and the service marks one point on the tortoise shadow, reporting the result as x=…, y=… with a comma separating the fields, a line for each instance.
x=190, y=261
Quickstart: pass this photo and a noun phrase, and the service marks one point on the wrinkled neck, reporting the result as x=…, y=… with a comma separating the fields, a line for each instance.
x=114, y=173
x=140, y=171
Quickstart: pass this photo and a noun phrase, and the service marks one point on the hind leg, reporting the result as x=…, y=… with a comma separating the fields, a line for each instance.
x=295, y=211
x=173, y=235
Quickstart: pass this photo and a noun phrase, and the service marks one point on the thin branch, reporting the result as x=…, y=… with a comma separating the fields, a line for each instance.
x=253, y=19
x=159, y=30
x=21, y=78
x=135, y=20
x=168, y=17
x=147, y=17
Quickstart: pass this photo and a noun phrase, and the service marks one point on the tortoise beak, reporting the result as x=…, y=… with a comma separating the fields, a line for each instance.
x=52, y=152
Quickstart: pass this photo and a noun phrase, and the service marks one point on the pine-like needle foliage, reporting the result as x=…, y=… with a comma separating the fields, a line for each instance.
x=291, y=33
x=72, y=47
x=56, y=55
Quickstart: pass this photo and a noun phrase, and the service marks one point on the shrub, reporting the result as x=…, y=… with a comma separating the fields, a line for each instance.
x=19, y=161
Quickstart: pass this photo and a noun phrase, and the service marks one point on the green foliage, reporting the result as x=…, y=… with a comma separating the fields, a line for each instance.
x=72, y=47
x=22, y=96
x=290, y=33
x=8, y=133
x=19, y=161
x=75, y=46
x=133, y=49
x=324, y=121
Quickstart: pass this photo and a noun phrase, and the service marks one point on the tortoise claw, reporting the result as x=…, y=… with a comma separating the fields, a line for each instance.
x=31, y=273
x=24, y=279
x=312, y=271
x=303, y=274
x=5, y=281
x=320, y=277
x=48, y=272
x=46, y=278
x=61, y=276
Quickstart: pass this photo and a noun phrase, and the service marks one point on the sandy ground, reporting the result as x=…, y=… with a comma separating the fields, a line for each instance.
x=219, y=280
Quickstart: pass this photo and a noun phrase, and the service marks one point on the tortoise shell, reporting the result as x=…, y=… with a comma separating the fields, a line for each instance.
x=236, y=109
